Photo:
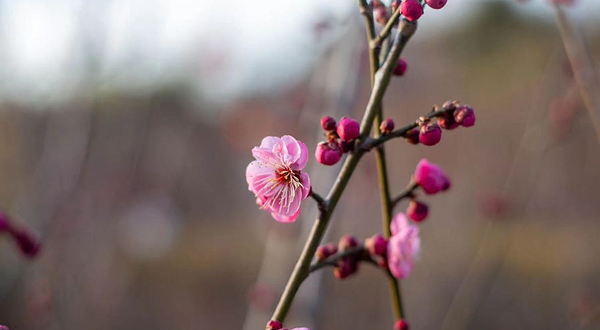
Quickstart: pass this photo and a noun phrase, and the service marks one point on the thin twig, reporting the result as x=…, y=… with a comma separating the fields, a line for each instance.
x=321, y=203
x=387, y=29
x=407, y=192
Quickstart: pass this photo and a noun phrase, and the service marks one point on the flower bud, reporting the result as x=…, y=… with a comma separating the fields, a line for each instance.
x=411, y=9
x=401, y=325
x=387, y=126
x=377, y=245
x=395, y=4
x=447, y=121
x=27, y=243
x=417, y=211
x=347, y=242
x=347, y=267
x=430, y=134
x=3, y=327
x=327, y=155
x=381, y=14
x=274, y=325
x=400, y=68
x=348, y=129
x=465, y=116
x=430, y=177
x=328, y=123
x=412, y=136
x=436, y=4
x=325, y=251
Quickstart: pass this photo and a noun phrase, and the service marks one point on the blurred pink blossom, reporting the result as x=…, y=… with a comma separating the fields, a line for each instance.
x=403, y=246
x=275, y=176
x=430, y=177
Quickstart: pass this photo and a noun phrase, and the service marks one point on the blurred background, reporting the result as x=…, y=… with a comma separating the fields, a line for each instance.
x=126, y=127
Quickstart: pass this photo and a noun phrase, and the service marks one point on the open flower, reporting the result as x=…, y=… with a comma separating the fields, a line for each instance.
x=430, y=177
x=275, y=176
x=403, y=246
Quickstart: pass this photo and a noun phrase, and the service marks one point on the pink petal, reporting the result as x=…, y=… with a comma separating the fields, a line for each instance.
x=258, y=175
x=399, y=223
x=303, y=159
x=268, y=142
x=305, y=180
x=285, y=219
x=266, y=156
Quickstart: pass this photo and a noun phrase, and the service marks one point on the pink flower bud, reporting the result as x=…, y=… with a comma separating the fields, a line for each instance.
x=347, y=267
x=400, y=68
x=417, y=211
x=412, y=136
x=430, y=177
x=328, y=123
x=395, y=5
x=447, y=121
x=430, y=134
x=348, y=129
x=381, y=14
x=401, y=325
x=347, y=242
x=387, y=126
x=327, y=155
x=377, y=245
x=27, y=243
x=274, y=325
x=465, y=116
x=436, y=4
x=3, y=327
x=325, y=251
x=411, y=9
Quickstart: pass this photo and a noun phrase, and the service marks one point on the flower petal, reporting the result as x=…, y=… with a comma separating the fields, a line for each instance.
x=302, y=159
x=258, y=175
x=285, y=219
x=305, y=180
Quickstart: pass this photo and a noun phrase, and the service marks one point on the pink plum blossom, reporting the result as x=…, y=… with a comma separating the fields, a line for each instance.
x=403, y=246
x=430, y=177
x=275, y=176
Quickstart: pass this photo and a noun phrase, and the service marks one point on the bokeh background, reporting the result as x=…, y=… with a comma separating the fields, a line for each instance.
x=126, y=127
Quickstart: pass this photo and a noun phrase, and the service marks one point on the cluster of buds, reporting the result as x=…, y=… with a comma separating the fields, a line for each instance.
x=340, y=139
x=347, y=265
x=432, y=180
x=429, y=132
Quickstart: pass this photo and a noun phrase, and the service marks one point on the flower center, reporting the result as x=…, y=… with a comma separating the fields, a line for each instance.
x=289, y=176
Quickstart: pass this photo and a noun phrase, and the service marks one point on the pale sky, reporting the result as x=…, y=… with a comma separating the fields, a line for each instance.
x=235, y=47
